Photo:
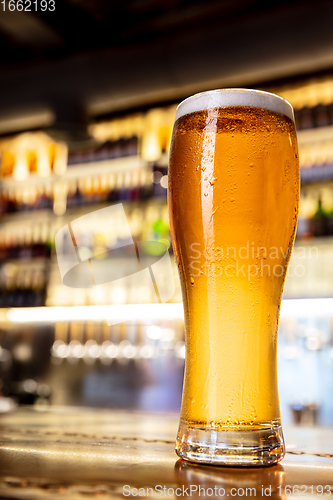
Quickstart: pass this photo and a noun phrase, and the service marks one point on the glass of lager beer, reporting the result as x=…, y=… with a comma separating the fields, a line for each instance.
x=233, y=198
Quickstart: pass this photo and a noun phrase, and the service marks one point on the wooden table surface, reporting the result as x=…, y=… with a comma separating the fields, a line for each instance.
x=84, y=453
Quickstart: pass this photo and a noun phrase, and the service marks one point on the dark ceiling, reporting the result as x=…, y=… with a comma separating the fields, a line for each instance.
x=89, y=58
x=76, y=26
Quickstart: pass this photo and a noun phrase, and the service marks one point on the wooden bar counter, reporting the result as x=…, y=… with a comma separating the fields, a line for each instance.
x=83, y=453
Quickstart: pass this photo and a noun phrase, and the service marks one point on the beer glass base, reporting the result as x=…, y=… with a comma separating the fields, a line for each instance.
x=263, y=445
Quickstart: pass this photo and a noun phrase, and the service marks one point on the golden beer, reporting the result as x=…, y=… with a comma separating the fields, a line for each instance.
x=233, y=200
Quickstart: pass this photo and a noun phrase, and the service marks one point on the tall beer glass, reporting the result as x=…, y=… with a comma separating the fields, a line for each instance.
x=233, y=199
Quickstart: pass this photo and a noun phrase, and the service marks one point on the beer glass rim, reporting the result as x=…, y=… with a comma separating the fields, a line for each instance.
x=232, y=97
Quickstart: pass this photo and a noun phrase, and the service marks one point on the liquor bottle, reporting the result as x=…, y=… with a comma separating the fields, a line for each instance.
x=327, y=208
x=329, y=223
x=304, y=119
x=321, y=116
x=319, y=219
x=158, y=174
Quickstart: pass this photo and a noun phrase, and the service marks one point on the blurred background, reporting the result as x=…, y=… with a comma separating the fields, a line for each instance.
x=88, y=92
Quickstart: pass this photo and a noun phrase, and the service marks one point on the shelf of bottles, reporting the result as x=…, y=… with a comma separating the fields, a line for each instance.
x=44, y=185
x=313, y=104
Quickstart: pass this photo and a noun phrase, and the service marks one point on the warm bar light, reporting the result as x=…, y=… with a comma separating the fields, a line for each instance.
x=145, y=312
x=298, y=308
x=132, y=312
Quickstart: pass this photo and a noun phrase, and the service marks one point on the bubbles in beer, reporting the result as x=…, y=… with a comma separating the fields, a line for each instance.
x=254, y=200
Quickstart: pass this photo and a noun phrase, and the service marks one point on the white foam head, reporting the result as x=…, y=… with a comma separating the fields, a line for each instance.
x=223, y=98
